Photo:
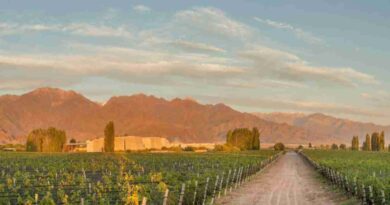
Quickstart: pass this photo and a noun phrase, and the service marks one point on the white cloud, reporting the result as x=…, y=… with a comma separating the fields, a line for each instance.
x=281, y=84
x=377, y=98
x=212, y=20
x=213, y=49
x=124, y=64
x=83, y=29
x=97, y=30
x=141, y=8
x=196, y=47
x=295, y=105
x=284, y=65
x=299, y=33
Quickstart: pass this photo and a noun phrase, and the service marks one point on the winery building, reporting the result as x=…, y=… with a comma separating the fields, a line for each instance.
x=128, y=143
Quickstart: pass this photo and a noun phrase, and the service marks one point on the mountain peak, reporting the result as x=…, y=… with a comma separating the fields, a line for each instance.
x=52, y=92
x=325, y=127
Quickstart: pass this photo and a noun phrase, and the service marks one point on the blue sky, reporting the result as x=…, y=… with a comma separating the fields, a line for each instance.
x=256, y=56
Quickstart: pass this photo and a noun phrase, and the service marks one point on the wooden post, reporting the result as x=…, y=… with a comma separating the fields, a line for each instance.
x=242, y=175
x=144, y=200
x=227, y=182
x=36, y=199
x=347, y=185
x=84, y=175
x=371, y=195
x=363, y=195
x=196, y=186
x=89, y=188
x=238, y=182
x=205, y=191
x=183, y=188
x=383, y=196
x=234, y=174
x=245, y=170
x=82, y=201
x=166, y=197
x=220, y=185
x=333, y=177
x=247, y=173
x=215, y=189
x=237, y=175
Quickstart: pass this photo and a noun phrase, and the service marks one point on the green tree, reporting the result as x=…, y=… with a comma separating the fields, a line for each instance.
x=367, y=143
x=244, y=138
x=109, y=137
x=46, y=140
x=229, y=136
x=375, y=141
x=355, y=143
x=279, y=146
x=256, y=139
x=335, y=147
x=343, y=146
x=381, y=143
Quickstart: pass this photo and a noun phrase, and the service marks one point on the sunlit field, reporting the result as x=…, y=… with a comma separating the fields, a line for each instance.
x=123, y=178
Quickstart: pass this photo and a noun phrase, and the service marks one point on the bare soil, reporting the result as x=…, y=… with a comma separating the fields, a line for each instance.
x=289, y=181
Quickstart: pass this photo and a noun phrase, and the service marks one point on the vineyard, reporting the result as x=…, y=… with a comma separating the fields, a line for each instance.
x=124, y=178
x=365, y=175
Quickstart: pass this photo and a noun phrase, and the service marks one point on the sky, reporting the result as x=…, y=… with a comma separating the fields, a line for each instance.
x=256, y=56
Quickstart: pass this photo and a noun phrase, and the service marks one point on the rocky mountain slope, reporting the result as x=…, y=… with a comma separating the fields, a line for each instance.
x=326, y=127
x=180, y=120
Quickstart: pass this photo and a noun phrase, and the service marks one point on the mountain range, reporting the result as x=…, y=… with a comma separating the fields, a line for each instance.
x=178, y=120
x=328, y=129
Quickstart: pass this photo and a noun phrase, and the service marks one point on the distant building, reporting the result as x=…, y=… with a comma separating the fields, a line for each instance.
x=197, y=145
x=128, y=143
x=76, y=147
x=9, y=149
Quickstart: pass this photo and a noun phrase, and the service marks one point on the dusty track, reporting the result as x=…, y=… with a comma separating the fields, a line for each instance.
x=289, y=181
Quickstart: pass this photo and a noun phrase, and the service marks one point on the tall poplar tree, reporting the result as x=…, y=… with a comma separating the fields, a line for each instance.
x=382, y=141
x=375, y=141
x=355, y=143
x=109, y=137
x=367, y=143
x=256, y=139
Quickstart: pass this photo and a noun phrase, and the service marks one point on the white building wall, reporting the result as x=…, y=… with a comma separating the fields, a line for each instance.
x=129, y=143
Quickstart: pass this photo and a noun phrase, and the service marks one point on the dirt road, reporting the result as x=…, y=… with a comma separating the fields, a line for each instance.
x=289, y=181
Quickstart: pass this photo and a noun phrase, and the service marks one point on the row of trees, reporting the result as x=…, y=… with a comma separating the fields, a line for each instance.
x=54, y=140
x=336, y=147
x=46, y=140
x=375, y=142
x=244, y=138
